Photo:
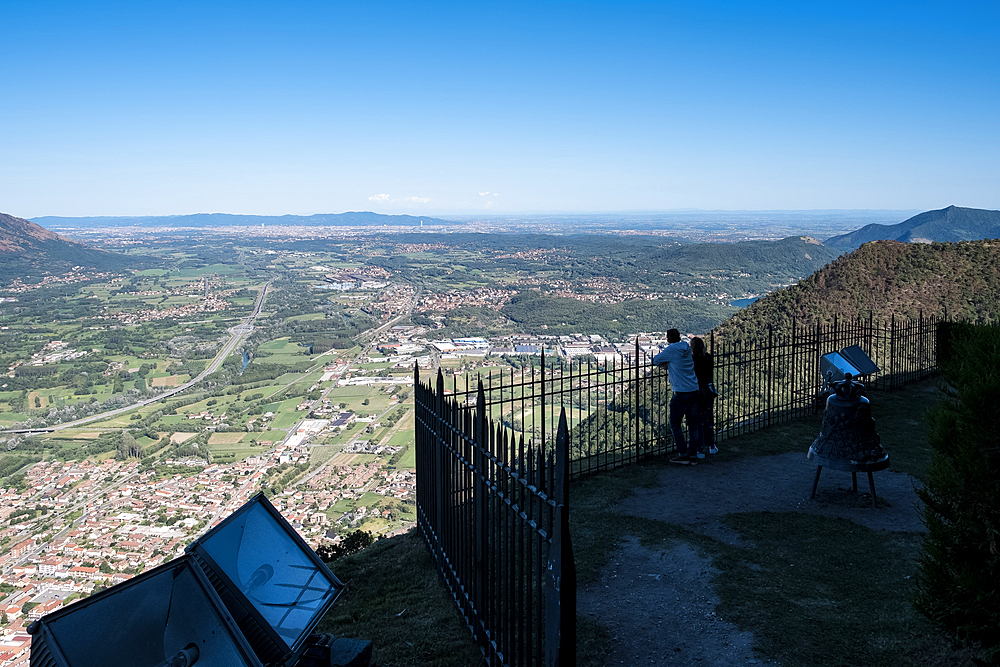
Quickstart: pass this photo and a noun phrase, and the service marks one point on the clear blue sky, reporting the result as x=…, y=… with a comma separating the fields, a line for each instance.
x=143, y=108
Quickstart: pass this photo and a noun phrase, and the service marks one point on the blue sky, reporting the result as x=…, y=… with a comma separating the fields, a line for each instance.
x=142, y=108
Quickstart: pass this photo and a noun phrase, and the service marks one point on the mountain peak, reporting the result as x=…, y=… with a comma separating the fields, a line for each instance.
x=27, y=249
x=951, y=224
x=18, y=234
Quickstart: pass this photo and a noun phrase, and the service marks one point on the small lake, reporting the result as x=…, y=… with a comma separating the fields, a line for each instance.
x=743, y=303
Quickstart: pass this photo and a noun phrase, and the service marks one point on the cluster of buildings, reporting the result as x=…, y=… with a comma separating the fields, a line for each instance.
x=77, y=274
x=405, y=346
x=80, y=525
x=482, y=297
x=51, y=353
x=345, y=281
x=209, y=304
x=396, y=300
x=565, y=346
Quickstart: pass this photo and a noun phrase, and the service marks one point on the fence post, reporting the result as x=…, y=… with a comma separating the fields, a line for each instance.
x=892, y=353
x=443, y=486
x=871, y=334
x=560, y=594
x=816, y=357
x=639, y=399
x=543, y=399
x=920, y=343
x=480, y=439
x=769, y=386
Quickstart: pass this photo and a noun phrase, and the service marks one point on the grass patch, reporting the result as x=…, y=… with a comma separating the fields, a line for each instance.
x=289, y=418
x=228, y=453
x=227, y=438
x=394, y=596
x=266, y=436
x=823, y=591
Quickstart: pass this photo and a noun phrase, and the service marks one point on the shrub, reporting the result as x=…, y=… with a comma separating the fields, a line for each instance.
x=958, y=584
x=351, y=543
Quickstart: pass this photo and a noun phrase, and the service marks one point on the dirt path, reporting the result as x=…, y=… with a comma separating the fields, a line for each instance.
x=658, y=603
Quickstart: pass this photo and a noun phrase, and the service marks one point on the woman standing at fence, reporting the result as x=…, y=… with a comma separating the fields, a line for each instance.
x=703, y=369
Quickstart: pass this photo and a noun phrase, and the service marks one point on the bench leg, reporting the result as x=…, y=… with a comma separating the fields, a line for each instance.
x=819, y=469
x=871, y=484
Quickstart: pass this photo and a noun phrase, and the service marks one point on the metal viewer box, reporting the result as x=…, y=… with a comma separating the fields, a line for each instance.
x=851, y=360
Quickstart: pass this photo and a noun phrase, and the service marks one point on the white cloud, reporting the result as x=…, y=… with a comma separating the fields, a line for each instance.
x=417, y=200
x=489, y=194
x=380, y=199
x=483, y=194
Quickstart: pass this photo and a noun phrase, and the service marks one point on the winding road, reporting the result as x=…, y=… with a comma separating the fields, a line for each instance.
x=238, y=334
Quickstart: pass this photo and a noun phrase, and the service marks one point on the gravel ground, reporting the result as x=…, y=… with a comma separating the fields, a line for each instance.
x=658, y=603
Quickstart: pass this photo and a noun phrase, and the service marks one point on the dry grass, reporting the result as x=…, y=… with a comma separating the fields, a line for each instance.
x=168, y=381
x=342, y=459
x=86, y=435
x=226, y=438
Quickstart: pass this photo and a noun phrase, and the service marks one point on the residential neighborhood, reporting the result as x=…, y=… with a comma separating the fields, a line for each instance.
x=80, y=526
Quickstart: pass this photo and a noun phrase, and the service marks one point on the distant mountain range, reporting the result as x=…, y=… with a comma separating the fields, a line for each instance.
x=885, y=279
x=349, y=219
x=948, y=224
x=28, y=250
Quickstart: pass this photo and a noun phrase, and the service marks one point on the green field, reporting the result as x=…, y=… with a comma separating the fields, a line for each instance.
x=320, y=454
x=265, y=436
x=235, y=452
x=401, y=438
x=409, y=459
x=288, y=419
x=306, y=317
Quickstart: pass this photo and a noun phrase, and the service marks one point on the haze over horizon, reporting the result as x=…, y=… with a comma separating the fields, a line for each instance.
x=121, y=109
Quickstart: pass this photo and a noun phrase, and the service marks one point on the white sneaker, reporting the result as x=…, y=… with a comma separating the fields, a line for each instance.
x=701, y=455
x=713, y=450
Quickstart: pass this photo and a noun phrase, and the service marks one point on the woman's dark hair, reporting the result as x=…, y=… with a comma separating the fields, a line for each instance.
x=697, y=346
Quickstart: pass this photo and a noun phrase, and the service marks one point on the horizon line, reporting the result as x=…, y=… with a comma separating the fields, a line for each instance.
x=501, y=214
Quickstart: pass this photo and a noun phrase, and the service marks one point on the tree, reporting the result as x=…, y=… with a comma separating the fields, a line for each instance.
x=128, y=447
x=352, y=543
x=958, y=582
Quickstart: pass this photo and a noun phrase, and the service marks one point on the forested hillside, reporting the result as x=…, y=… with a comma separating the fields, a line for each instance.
x=787, y=259
x=654, y=262
x=885, y=278
x=534, y=311
x=28, y=251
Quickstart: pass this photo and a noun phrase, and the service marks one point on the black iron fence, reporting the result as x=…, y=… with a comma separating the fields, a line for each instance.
x=494, y=511
x=494, y=459
x=777, y=378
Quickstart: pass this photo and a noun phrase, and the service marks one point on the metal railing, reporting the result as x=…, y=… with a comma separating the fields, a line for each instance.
x=617, y=411
x=494, y=460
x=778, y=378
x=494, y=511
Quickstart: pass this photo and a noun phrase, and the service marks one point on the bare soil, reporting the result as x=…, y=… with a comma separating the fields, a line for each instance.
x=658, y=603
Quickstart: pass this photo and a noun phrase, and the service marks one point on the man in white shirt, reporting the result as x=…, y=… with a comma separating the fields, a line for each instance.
x=677, y=358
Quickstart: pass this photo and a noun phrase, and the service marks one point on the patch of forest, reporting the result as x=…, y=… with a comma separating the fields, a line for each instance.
x=650, y=261
x=885, y=279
